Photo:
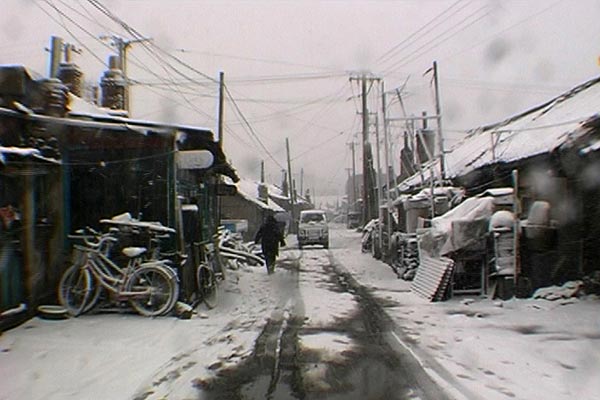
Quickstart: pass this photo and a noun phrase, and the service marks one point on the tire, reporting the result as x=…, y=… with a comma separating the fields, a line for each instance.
x=95, y=292
x=162, y=286
x=207, y=285
x=75, y=289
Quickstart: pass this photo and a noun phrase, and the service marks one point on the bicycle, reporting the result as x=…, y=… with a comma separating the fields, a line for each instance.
x=151, y=287
x=209, y=273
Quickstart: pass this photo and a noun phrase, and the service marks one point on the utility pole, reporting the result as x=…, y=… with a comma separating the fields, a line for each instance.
x=387, y=168
x=366, y=155
x=291, y=186
x=368, y=211
x=221, y=108
x=301, y=181
x=438, y=112
x=122, y=45
x=379, y=189
x=353, y=176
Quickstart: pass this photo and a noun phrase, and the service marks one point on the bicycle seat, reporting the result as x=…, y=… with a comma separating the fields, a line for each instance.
x=132, y=252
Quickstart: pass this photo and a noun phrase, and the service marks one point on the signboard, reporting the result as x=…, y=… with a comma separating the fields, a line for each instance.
x=195, y=159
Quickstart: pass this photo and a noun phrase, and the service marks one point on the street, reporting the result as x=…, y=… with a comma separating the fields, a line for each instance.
x=328, y=324
x=307, y=331
x=326, y=337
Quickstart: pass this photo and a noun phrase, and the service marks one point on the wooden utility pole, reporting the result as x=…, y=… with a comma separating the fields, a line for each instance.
x=368, y=209
x=353, y=176
x=388, y=182
x=291, y=188
x=122, y=45
x=438, y=112
x=221, y=107
x=379, y=188
x=366, y=155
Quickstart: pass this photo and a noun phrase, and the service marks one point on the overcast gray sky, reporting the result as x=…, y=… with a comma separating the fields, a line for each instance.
x=287, y=64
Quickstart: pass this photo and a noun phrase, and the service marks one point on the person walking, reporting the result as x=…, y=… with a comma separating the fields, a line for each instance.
x=270, y=236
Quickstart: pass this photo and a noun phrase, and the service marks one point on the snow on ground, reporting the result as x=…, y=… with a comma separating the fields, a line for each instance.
x=86, y=357
x=521, y=348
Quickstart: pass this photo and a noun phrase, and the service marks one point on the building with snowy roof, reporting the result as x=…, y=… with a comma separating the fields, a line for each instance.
x=549, y=154
x=66, y=164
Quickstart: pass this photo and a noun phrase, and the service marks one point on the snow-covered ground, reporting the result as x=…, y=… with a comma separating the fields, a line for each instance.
x=124, y=356
x=521, y=349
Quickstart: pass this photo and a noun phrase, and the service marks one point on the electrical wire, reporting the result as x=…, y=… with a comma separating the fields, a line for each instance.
x=261, y=60
x=63, y=25
x=485, y=40
x=435, y=42
x=128, y=28
x=413, y=38
x=253, y=134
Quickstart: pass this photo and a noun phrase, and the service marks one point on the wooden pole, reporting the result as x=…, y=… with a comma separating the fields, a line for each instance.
x=221, y=107
x=30, y=264
x=291, y=188
x=438, y=111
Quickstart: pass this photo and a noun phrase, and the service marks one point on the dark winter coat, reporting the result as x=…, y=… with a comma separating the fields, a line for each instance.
x=270, y=236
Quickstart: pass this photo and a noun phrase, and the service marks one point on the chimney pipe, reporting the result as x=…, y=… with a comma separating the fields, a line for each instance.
x=113, y=85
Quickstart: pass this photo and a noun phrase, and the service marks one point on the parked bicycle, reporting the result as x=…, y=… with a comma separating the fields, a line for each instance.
x=208, y=273
x=151, y=287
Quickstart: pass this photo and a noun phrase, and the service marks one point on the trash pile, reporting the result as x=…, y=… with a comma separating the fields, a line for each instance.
x=566, y=291
x=589, y=285
x=406, y=262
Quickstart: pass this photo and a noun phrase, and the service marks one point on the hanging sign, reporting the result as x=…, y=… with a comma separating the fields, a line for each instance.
x=195, y=159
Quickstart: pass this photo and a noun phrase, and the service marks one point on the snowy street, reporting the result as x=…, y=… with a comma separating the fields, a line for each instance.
x=328, y=324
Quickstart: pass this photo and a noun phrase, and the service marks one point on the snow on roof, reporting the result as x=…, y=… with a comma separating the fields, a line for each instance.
x=249, y=190
x=536, y=131
x=420, y=178
x=24, y=152
x=20, y=151
x=277, y=193
x=80, y=107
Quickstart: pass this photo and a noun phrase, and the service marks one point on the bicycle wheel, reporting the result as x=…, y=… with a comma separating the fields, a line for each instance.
x=207, y=285
x=74, y=289
x=153, y=289
x=95, y=292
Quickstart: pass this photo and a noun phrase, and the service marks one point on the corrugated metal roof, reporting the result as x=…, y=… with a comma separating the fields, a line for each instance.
x=433, y=277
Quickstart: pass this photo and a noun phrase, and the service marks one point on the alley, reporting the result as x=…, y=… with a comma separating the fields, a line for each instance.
x=325, y=339
x=307, y=331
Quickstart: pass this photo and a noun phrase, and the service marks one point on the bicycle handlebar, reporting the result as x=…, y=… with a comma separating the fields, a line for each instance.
x=102, y=238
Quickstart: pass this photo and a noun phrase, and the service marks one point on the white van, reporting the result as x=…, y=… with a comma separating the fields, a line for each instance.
x=313, y=229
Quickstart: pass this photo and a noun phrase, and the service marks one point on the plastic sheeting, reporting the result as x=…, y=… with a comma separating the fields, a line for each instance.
x=463, y=226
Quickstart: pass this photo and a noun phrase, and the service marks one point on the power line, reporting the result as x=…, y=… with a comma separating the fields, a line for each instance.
x=128, y=28
x=250, y=129
x=534, y=15
x=63, y=25
x=433, y=43
x=407, y=41
x=262, y=60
